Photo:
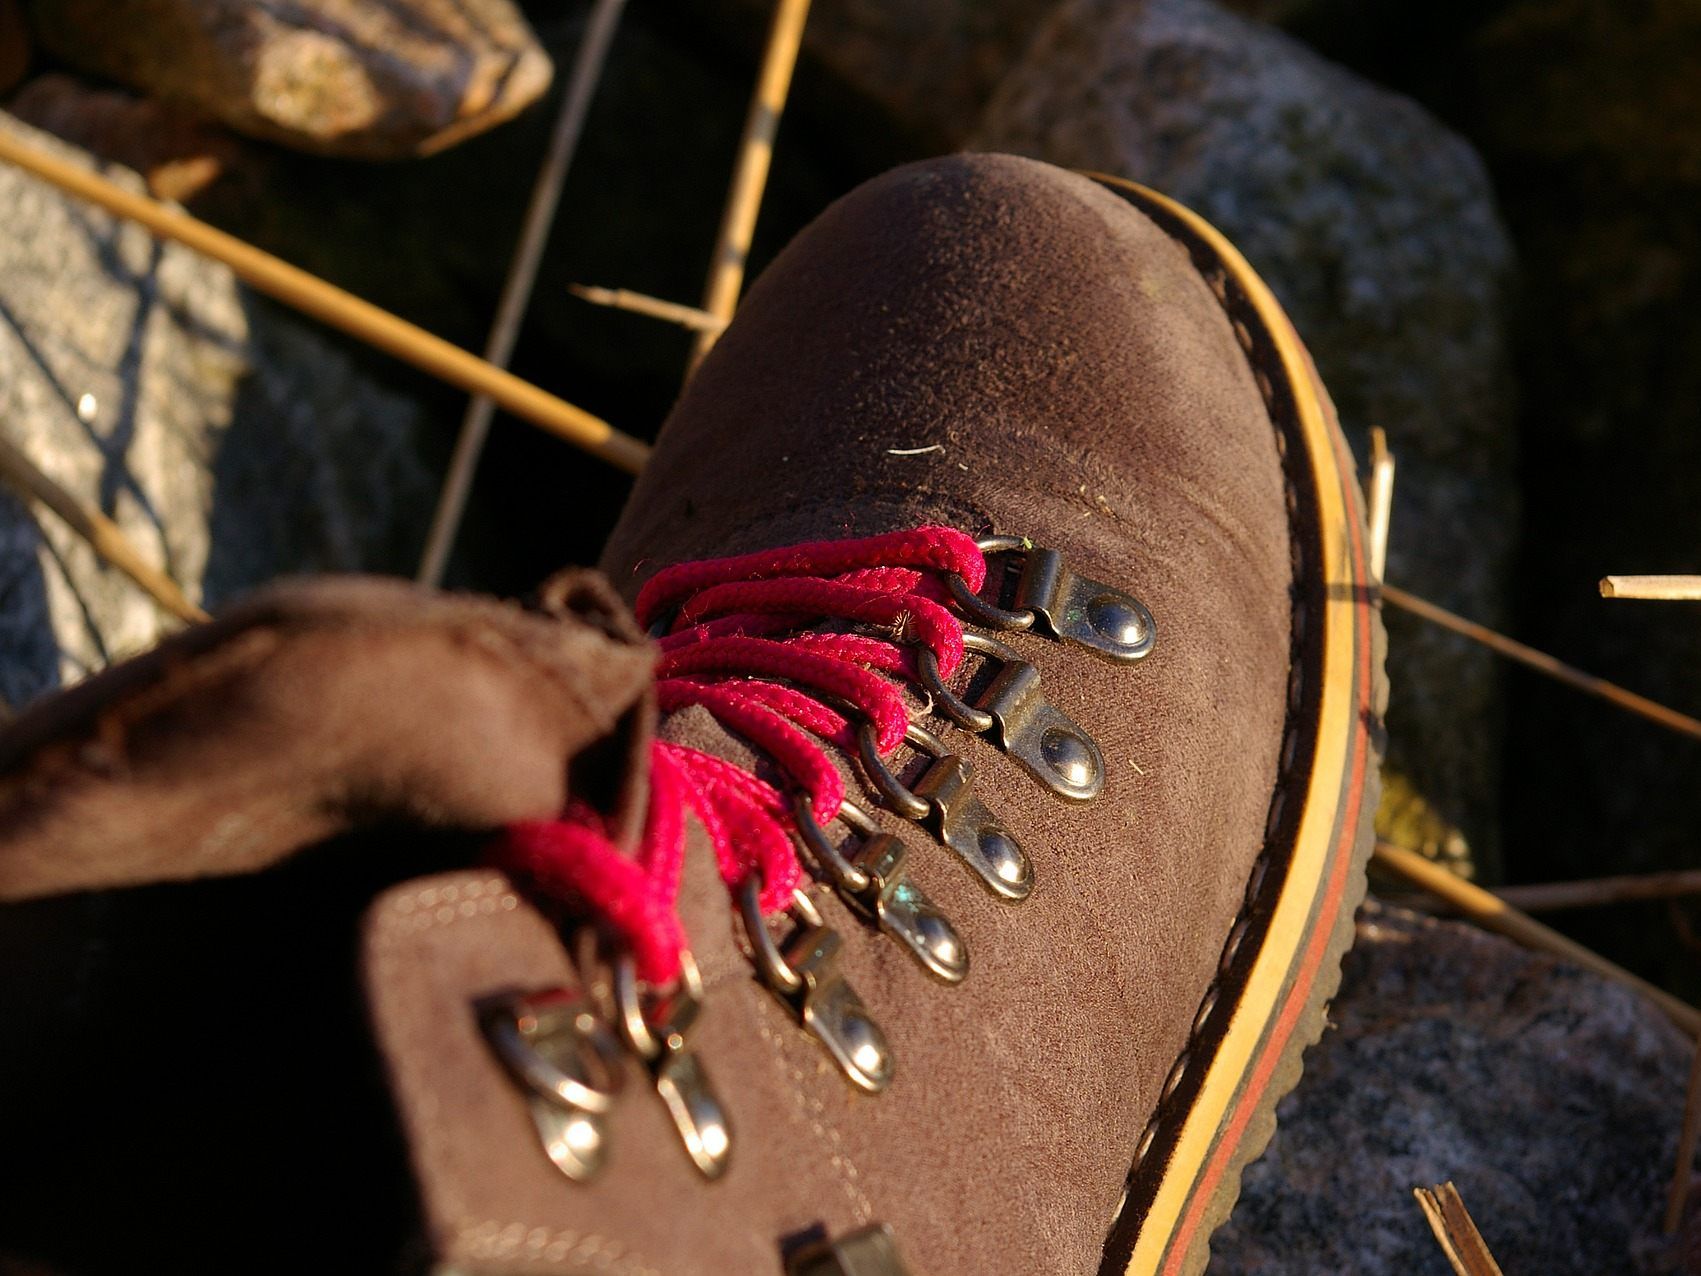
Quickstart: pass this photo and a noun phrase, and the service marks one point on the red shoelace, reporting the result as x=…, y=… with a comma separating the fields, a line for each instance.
x=745, y=642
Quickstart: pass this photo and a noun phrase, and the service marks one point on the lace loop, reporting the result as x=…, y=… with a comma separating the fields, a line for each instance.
x=744, y=641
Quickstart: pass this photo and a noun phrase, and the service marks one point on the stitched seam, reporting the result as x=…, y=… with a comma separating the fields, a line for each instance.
x=1216, y=277
x=814, y=1111
x=431, y=907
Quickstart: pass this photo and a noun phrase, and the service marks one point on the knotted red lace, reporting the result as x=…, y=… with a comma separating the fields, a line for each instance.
x=769, y=643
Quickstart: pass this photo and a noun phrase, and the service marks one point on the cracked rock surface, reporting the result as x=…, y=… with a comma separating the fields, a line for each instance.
x=230, y=442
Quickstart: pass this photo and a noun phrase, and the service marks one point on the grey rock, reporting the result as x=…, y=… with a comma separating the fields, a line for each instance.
x=339, y=77
x=1549, y=1096
x=1378, y=230
x=229, y=442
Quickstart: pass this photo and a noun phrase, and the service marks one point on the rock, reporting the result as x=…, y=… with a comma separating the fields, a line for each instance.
x=179, y=154
x=1551, y=1097
x=640, y=210
x=338, y=77
x=928, y=68
x=1377, y=228
x=228, y=441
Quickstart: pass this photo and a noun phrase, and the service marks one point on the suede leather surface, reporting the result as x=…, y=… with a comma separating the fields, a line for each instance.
x=187, y=1080
x=1083, y=387
x=308, y=709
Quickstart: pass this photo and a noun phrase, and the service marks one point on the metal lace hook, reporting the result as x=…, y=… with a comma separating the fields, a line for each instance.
x=803, y=974
x=944, y=801
x=873, y=882
x=569, y=1066
x=1053, y=599
x=1015, y=715
x=656, y=1029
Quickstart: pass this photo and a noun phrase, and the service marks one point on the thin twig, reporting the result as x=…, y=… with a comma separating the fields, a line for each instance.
x=1684, y=1172
x=1552, y=897
x=641, y=303
x=341, y=310
x=1455, y=1231
x=104, y=536
x=522, y=275
x=1611, y=692
x=750, y=175
x=1593, y=892
x=1493, y=913
x=1381, y=500
x=1679, y=588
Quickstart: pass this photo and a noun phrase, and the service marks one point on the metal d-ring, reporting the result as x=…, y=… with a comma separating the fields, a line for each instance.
x=804, y=975
x=890, y=788
x=1016, y=717
x=639, y=1023
x=771, y=964
x=977, y=608
x=534, y=1033
x=948, y=702
x=846, y=876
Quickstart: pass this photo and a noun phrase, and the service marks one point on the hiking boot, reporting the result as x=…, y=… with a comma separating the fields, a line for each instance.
x=1020, y=677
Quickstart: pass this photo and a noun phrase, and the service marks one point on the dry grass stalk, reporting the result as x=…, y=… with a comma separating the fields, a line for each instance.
x=1594, y=892
x=750, y=175
x=1552, y=897
x=1684, y=1172
x=1379, y=496
x=104, y=536
x=517, y=288
x=1540, y=661
x=338, y=309
x=1493, y=913
x=643, y=304
x=1455, y=1231
x=1677, y=588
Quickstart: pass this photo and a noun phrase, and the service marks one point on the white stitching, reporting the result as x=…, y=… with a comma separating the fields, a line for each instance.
x=425, y=909
x=814, y=1111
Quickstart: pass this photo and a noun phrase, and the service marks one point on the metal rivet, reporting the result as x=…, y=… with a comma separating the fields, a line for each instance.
x=575, y=1141
x=1009, y=862
x=1067, y=755
x=1111, y=616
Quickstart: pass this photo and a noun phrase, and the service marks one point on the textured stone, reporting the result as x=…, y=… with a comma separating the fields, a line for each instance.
x=230, y=443
x=1549, y=1096
x=927, y=66
x=1377, y=228
x=340, y=77
x=179, y=154
x=430, y=240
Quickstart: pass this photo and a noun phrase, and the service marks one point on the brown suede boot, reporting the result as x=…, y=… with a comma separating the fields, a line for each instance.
x=1119, y=849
